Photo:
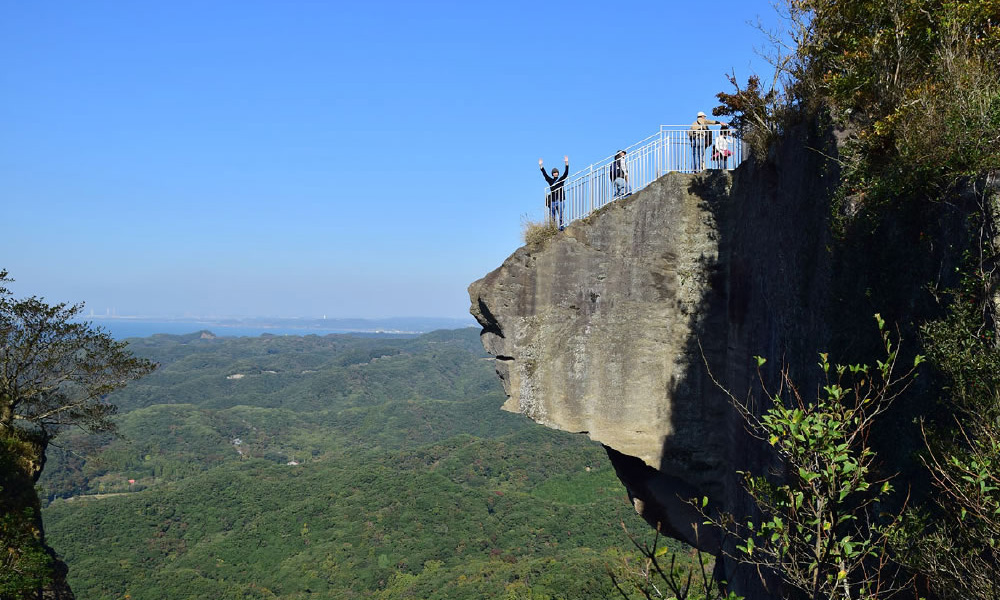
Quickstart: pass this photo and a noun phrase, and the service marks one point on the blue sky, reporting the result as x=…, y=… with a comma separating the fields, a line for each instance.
x=302, y=158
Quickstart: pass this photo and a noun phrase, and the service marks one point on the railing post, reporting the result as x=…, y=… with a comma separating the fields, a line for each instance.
x=659, y=155
x=666, y=152
x=590, y=180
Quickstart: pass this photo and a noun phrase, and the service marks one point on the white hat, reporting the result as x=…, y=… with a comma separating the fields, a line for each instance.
x=701, y=114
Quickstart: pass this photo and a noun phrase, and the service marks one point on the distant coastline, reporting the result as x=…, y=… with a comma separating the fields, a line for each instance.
x=126, y=327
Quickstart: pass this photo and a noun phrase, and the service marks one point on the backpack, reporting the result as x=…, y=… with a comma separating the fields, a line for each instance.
x=616, y=170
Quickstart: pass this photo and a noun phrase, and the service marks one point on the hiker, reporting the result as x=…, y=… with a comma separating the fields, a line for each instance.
x=554, y=201
x=619, y=175
x=721, y=153
x=701, y=138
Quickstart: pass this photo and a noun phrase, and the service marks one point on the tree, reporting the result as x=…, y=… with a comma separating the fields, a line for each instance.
x=56, y=371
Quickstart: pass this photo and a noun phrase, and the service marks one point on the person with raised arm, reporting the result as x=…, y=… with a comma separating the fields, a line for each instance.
x=554, y=201
x=701, y=139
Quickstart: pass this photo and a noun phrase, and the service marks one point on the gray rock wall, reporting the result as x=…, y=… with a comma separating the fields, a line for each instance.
x=602, y=330
x=595, y=327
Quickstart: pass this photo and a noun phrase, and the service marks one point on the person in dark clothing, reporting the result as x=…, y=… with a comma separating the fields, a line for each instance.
x=556, y=196
x=619, y=175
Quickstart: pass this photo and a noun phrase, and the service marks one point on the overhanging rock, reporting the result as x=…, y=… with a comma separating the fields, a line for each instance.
x=605, y=329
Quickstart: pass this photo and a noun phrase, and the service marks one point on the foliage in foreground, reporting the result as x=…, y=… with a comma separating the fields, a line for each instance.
x=651, y=575
x=25, y=567
x=955, y=540
x=823, y=532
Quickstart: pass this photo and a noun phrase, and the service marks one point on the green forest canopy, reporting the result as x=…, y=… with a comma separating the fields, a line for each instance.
x=410, y=479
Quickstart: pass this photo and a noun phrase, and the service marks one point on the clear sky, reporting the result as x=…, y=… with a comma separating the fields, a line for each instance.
x=301, y=158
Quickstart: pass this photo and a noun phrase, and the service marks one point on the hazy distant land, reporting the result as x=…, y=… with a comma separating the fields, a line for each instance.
x=125, y=327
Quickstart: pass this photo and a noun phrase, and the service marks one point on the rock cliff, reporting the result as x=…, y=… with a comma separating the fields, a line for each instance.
x=22, y=458
x=631, y=324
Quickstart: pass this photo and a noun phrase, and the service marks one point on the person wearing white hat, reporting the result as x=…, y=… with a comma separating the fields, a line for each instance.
x=701, y=138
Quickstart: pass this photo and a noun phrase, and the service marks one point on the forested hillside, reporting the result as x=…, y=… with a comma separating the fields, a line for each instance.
x=409, y=482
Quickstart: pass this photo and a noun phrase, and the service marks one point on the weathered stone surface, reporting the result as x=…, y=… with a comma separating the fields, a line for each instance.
x=593, y=332
x=600, y=331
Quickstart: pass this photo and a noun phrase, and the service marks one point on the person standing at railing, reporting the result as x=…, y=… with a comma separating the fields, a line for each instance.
x=721, y=153
x=619, y=175
x=701, y=139
x=556, y=194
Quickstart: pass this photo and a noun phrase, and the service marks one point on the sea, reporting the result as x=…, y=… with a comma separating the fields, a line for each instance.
x=124, y=328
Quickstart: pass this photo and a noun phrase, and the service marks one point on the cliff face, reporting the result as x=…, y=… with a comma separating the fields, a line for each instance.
x=597, y=332
x=592, y=333
x=21, y=461
x=631, y=324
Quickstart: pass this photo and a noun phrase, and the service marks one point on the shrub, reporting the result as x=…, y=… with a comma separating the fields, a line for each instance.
x=823, y=528
x=535, y=233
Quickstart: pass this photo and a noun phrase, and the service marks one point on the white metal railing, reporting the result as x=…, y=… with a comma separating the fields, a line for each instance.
x=671, y=149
